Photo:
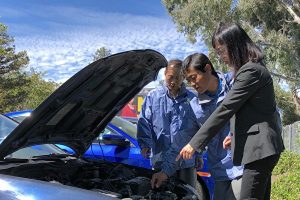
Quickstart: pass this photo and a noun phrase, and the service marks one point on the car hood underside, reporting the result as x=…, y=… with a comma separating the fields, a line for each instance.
x=79, y=110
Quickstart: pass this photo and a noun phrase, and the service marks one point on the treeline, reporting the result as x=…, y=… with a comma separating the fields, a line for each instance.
x=19, y=89
x=273, y=24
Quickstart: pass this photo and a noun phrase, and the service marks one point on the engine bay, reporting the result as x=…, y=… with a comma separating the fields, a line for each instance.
x=113, y=179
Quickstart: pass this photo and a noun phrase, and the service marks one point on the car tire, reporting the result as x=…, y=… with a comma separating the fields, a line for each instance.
x=201, y=191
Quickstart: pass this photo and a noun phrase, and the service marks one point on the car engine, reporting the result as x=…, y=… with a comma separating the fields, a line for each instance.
x=116, y=180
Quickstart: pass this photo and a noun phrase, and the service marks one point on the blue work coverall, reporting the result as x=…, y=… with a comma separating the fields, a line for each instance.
x=166, y=125
x=219, y=159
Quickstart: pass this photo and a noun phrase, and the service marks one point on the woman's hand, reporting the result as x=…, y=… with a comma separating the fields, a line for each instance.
x=186, y=152
x=227, y=142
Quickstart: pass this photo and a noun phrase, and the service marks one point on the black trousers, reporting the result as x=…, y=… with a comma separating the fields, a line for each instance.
x=188, y=175
x=256, y=182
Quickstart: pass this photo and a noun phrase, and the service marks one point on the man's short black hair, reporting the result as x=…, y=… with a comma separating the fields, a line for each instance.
x=175, y=63
x=198, y=61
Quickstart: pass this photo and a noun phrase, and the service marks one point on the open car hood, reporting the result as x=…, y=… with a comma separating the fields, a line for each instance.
x=79, y=110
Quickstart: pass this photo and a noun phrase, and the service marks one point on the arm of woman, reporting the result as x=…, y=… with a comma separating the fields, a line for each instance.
x=246, y=83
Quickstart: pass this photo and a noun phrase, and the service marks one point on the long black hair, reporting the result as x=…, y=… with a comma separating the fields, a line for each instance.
x=198, y=61
x=240, y=47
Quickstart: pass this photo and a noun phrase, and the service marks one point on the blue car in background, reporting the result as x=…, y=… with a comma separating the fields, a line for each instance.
x=118, y=143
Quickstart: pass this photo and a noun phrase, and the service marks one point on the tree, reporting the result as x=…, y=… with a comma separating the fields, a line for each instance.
x=284, y=101
x=37, y=90
x=10, y=93
x=101, y=53
x=18, y=89
x=10, y=65
x=273, y=24
x=9, y=59
x=22, y=90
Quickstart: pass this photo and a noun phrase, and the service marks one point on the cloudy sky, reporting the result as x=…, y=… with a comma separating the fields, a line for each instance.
x=60, y=36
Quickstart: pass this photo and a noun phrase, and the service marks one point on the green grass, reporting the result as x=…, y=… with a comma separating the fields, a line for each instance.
x=287, y=177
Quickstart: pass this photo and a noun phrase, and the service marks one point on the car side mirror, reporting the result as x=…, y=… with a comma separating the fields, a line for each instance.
x=118, y=140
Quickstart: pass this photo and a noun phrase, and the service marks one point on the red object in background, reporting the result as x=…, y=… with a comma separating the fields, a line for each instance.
x=128, y=111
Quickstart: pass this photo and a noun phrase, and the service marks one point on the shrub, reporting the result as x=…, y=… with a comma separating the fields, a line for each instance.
x=287, y=183
x=287, y=187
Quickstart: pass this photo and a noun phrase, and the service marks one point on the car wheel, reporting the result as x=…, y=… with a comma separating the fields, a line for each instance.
x=201, y=191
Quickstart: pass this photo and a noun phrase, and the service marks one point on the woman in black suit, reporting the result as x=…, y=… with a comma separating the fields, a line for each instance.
x=251, y=108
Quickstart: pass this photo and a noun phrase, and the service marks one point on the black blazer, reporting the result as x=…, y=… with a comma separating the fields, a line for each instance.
x=255, y=123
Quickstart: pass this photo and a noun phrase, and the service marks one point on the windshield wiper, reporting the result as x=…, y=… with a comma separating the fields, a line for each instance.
x=53, y=156
x=14, y=160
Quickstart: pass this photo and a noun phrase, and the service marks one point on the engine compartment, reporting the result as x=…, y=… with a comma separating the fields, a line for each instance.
x=114, y=179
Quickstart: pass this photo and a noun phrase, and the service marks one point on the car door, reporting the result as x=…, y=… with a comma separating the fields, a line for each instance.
x=118, y=149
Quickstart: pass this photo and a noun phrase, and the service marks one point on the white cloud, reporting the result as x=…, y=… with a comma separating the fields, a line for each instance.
x=61, y=54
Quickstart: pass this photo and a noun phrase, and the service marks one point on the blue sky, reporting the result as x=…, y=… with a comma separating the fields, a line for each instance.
x=60, y=36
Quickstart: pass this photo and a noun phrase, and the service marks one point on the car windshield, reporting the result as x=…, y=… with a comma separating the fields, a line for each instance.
x=19, y=118
x=7, y=126
x=125, y=126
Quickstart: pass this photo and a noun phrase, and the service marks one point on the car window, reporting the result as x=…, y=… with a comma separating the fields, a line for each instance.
x=37, y=150
x=106, y=131
x=125, y=125
x=7, y=126
x=19, y=118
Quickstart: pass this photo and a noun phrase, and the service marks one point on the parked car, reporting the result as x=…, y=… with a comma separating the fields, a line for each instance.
x=118, y=133
x=16, y=188
x=118, y=143
x=73, y=116
x=133, y=120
